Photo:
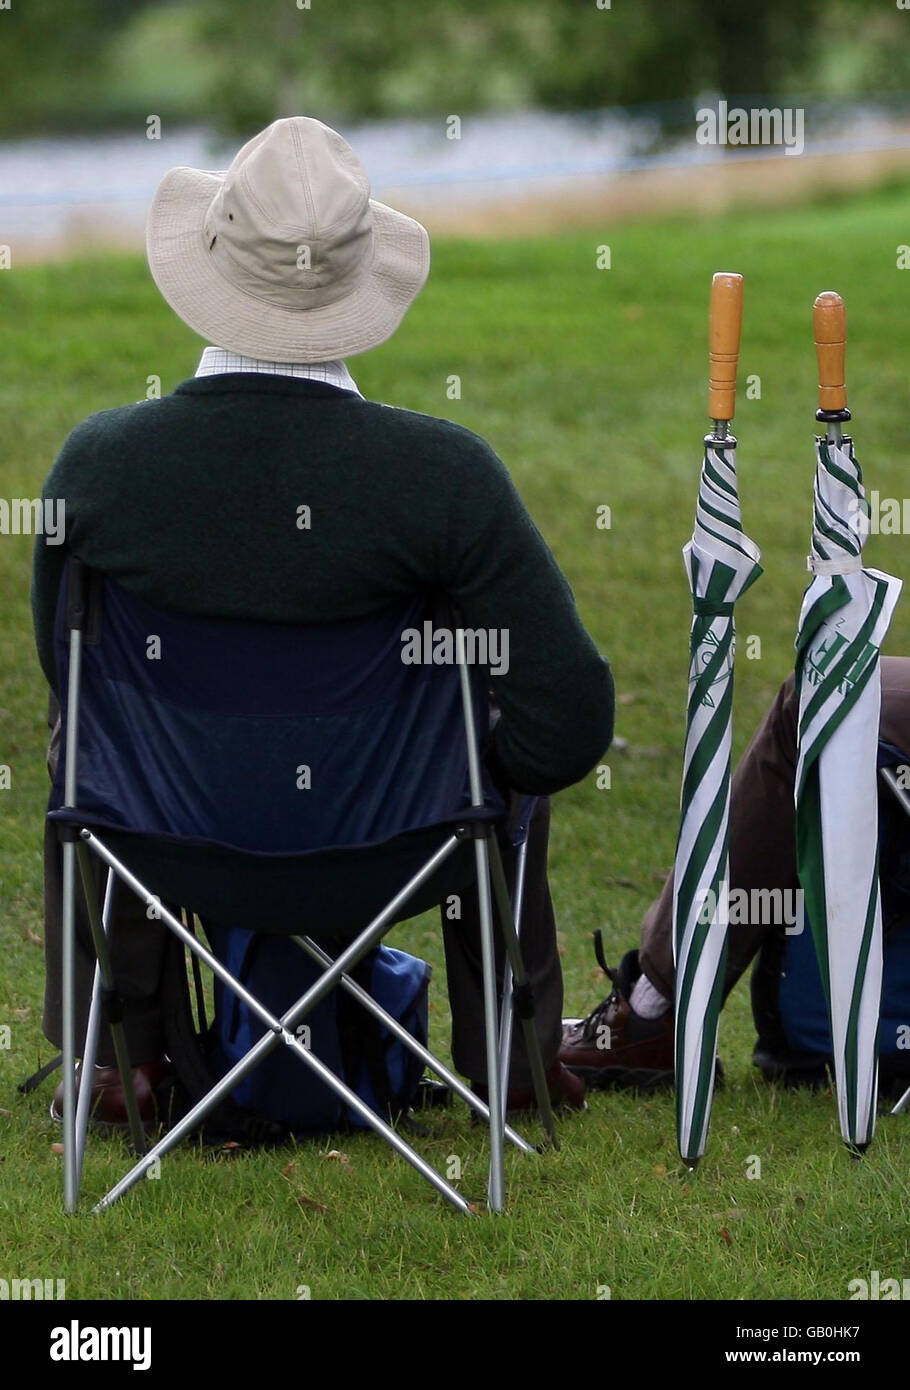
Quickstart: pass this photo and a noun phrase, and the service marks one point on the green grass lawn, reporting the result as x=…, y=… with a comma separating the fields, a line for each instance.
x=591, y=385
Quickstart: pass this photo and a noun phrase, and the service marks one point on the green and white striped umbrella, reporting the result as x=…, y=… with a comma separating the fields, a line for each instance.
x=845, y=614
x=721, y=563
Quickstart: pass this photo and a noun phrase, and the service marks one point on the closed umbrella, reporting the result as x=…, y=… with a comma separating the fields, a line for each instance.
x=721, y=563
x=845, y=614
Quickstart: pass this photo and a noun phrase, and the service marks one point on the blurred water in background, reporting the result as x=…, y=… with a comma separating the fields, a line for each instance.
x=58, y=192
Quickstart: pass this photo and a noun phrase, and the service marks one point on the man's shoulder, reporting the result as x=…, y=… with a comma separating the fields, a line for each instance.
x=105, y=423
x=428, y=441
x=392, y=417
x=434, y=433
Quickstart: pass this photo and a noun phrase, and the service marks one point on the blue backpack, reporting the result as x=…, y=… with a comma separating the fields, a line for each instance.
x=282, y=1096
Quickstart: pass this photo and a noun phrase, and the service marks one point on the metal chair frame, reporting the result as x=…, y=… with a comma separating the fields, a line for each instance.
x=85, y=846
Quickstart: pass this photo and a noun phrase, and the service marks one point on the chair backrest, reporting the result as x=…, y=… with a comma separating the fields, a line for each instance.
x=265, y=737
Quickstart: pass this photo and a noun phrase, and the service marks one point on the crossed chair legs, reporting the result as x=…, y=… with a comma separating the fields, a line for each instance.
x=516, y=989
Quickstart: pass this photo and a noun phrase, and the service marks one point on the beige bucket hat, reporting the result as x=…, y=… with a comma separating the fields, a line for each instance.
x=285, y=256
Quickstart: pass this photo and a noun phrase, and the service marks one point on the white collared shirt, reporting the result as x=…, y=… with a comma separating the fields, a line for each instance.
x=215, y=361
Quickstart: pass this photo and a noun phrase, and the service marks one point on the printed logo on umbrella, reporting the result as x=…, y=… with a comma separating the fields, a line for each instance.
x=828, y=652
x=706, y=653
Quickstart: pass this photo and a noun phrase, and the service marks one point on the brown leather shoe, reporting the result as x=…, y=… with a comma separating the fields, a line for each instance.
x=108, y=1103
x=565, y=1089
x=614, y=1047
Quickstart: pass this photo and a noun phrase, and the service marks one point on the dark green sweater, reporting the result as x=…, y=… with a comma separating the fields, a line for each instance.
x=192, y=502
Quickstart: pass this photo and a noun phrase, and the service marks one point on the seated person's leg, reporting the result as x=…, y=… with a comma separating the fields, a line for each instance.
x=137, y=953
x=541, y=957
x=636, y=1020
x=895, y=720
x=137, y=949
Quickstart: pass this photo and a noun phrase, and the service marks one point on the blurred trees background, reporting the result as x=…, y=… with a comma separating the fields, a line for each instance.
x=67, y=65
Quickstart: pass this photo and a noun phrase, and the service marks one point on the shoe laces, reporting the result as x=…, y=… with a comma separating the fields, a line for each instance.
x=590, y=1024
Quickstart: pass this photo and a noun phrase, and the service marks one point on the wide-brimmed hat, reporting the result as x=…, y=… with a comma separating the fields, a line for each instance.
x=285, y=256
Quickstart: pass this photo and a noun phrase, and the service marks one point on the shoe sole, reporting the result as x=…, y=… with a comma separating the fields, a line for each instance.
x=107, y=1128
x=632, y=1078
x=622, y=1078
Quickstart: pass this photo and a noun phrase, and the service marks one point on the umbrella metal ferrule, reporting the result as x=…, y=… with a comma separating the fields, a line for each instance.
x=834, y=435
x=721, y=434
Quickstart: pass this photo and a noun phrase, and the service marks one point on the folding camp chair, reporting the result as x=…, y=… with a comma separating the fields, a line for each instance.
x=260, y=774
x=890, y=758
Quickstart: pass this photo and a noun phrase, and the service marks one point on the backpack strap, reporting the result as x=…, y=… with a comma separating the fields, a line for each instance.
x=187, y=1050
x=32, y=1082
x=361, y=1040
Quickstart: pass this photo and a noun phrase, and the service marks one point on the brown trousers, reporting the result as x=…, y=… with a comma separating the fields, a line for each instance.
x=762, y=823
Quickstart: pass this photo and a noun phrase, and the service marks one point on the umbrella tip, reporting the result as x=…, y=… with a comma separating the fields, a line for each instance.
x=857, y=1150
x=691, y=1163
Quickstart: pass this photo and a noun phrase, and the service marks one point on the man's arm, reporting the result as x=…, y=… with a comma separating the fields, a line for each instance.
x=48, y=562
x=556, y=695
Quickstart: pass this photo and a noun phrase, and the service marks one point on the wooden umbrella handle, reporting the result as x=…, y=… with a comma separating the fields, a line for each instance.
x=724, y=334
x=829, y=321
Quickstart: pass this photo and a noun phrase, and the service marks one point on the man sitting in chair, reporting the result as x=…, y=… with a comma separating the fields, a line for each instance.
x=266, y=488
